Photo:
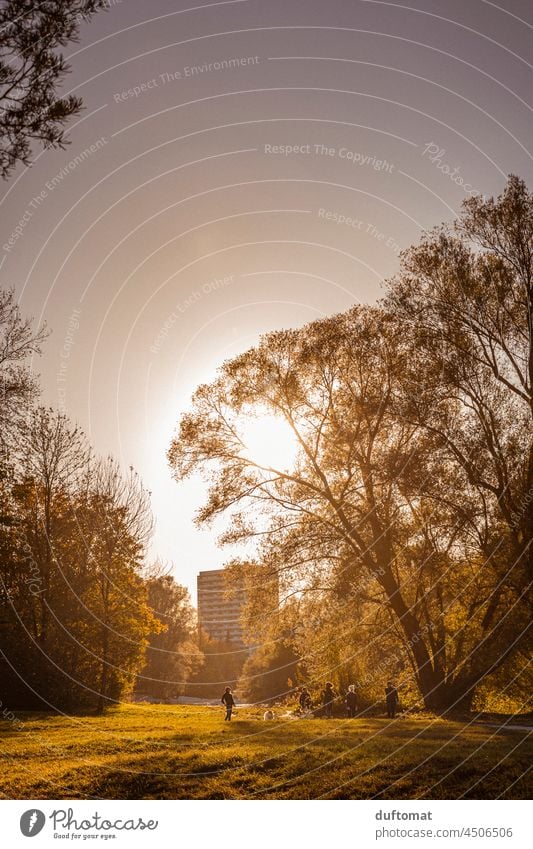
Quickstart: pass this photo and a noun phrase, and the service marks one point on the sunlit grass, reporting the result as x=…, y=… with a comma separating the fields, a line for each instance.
x=174, y=752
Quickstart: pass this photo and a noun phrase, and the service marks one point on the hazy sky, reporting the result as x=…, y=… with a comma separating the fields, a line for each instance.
x=243, y=166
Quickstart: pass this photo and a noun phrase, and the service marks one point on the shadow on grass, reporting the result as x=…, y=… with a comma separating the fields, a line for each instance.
x=152, y=754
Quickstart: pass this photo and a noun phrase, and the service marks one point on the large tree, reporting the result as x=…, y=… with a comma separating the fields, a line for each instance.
x=466, y=295
x=72, y=573
x=74, y=615
x=411, y=463
x=123, y=526
x=338, y=517
x=31, y=70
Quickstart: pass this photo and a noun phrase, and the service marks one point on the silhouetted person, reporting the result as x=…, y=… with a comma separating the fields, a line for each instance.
x=351, y=701
x=391, y=694
x=228, y=700
x=328, y=697
x=305, y=700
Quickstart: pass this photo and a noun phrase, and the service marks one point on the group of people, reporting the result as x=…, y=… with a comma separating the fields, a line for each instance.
x=328, y=697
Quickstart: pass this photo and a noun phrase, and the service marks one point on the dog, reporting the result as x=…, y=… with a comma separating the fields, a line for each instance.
x=268, y=714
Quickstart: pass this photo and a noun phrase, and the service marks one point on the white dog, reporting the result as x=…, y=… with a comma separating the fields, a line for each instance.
x=268, y=714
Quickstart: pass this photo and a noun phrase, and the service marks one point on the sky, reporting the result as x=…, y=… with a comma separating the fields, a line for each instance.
x=240, y=167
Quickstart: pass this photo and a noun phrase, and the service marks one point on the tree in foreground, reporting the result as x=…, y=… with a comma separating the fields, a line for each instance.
x=383, y=507
x=75, y=617
x=72, y=573
x=31, y=70
x=466, y=295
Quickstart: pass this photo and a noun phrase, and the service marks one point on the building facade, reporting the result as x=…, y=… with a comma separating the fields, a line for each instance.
x=219, y=606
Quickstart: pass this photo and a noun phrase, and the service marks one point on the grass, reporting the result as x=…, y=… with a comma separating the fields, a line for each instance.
x=178, y=752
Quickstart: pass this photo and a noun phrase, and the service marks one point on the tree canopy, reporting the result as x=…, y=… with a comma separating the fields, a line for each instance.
x=32, y=68
x=80, y=617
x=413, y=427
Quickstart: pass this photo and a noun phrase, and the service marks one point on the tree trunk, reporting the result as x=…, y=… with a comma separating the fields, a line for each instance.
x=430, y=680
x=526, y=525
x=102, y=697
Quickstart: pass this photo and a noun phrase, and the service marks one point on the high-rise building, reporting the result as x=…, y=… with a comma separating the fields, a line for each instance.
x=219, y=606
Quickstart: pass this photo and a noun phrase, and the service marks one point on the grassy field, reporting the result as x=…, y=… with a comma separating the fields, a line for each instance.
x=175, y=752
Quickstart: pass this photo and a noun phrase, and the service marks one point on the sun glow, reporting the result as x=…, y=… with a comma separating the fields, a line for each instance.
x=269, y=441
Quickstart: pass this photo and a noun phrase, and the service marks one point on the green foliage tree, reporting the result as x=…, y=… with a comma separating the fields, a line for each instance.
x=123, y=520
x=75, y=612
x=172, y=655
x=221, y=666
x=31, y=69
x=72, y=573
x=270, y=673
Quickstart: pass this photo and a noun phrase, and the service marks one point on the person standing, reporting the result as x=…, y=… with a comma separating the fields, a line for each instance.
x=228, y=700
x=351, y=701
x=328, y=697
x=305, y=700
x=391, y=694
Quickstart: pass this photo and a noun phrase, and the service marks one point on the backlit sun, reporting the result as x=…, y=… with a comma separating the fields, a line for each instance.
x=269, y=441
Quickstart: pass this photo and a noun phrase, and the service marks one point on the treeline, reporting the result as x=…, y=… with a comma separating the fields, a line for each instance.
x=401, y=538
x=83, y=620
x=222, y=663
